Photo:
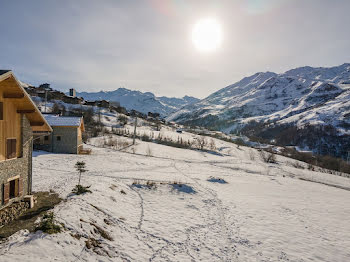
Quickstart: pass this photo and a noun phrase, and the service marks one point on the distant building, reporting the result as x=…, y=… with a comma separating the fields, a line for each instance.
x=45, y=86
x=153, y=115
x=72, y=100
x=66, y=136
x=99, y=103
x=72, y=92
x=90, y=103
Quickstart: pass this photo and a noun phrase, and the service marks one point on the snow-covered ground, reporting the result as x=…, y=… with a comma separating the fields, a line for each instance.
x=262, y=213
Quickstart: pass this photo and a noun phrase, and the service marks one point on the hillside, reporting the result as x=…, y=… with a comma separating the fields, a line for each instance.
x=300, y=97
x=159, y=203
x=142, y=102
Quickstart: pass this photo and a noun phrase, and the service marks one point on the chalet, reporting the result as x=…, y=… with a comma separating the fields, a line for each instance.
x=90, y=103
x=99, y=103
x=66, y=136
x=72, y=100
x=103, y=103
x=19, y=120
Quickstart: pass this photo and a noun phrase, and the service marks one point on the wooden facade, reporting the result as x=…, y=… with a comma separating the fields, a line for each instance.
x=13, y=101
x=9, y=126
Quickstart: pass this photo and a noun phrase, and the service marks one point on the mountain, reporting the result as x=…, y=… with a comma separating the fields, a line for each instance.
x=300, y=97
x=178, y=102
x=143, y=102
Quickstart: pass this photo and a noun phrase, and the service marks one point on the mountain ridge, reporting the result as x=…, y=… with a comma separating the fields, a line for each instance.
x=141, y=101
x=299, y=97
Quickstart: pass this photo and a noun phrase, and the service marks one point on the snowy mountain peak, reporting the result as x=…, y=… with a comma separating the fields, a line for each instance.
x=336, y=74
x=143, y=102
x=304, y=95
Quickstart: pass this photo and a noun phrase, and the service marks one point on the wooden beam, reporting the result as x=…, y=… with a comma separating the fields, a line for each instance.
x=25, y=111
x=13, y=95
x=37, y=123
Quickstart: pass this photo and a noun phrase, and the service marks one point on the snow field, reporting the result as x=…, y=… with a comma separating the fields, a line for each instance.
x=263, y=212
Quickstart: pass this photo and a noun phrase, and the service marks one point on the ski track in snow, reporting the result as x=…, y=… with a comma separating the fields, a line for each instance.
x=216, y=202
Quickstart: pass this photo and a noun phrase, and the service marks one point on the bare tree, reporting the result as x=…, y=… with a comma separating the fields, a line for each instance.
x=251, y=155
x=149, y=151
x=201, y=142
x=123, y=119
x=56, y=109
x=268, y=157
x=212, y=145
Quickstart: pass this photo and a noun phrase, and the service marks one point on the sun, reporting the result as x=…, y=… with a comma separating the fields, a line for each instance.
x=207, y=35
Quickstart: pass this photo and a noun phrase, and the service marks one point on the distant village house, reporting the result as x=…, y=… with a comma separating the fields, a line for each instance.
x=66, y=136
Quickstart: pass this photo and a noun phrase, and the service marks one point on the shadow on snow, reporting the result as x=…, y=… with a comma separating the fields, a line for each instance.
x=217, y=180
x=183, y=188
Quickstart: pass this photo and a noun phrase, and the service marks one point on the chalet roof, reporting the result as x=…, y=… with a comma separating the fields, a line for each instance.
x=3, y=71
x=14, y=91
x=55, y=120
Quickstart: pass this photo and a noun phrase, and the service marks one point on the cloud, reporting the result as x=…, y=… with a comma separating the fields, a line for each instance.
x=146, y=45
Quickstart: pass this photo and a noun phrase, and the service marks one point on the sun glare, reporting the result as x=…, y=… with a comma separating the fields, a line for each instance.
x=207, y=35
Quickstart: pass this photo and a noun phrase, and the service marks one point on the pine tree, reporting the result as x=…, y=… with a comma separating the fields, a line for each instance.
x=80, y=166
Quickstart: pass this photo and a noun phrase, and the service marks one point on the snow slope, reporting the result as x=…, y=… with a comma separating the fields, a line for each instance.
x=263, y=212
x=25, y=85
x=301, y=96
x=142, y=102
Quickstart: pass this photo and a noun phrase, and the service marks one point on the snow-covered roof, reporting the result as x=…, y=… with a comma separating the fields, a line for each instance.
x=55, y=120
x=4, y=71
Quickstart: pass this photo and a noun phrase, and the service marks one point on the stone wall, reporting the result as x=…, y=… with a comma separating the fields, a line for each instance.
x=69, y=140
x=20, y=166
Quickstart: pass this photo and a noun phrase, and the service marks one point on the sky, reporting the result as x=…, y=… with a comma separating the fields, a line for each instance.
x=147, y=46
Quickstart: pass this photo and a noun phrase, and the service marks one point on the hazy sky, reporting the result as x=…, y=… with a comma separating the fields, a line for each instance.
x=146, y=45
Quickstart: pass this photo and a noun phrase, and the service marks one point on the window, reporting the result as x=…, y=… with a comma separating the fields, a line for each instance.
x=1, y=111
x=46, y=138
x=12, y=189
x=58, y=138
x=11, y=148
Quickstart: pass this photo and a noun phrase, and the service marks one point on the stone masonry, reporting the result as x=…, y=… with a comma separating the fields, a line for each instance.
x=69, y=141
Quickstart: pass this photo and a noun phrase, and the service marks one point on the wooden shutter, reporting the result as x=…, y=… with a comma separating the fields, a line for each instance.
x=6, y=197
x=8, y=148
x=1, y=111
x=11, y=148
x=14, y=148
x=20, y=187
